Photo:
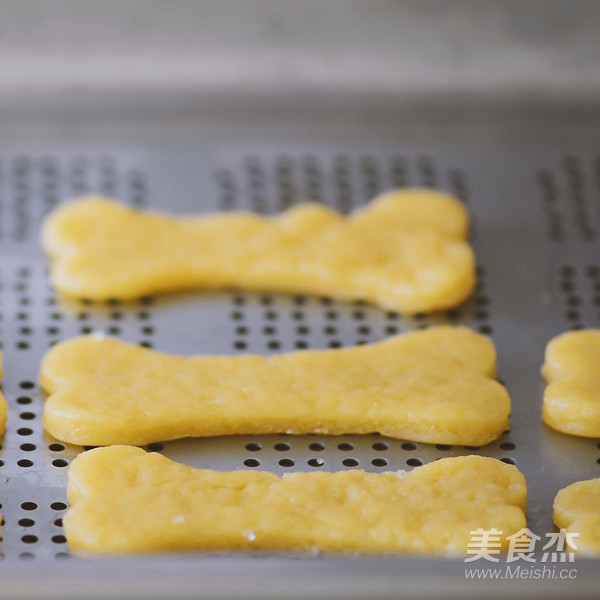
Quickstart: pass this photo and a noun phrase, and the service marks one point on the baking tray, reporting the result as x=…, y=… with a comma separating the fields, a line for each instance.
x=536, y=225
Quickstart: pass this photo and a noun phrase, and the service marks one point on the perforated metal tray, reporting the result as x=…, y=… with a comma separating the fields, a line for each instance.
x=536, y=225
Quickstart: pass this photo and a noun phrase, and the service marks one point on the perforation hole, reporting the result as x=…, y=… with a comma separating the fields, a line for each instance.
x=567, y=283
x=555, y=217
x=345, y=446
x=398, y=168
x=507, y=446
x=429, y=176
x=29, y=539
x=381, y=446
x=26, y=522
x=579, y=204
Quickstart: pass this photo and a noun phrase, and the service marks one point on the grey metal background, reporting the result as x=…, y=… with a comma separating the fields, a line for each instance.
x=71, y=68
x=536, y=222
x=191, y=106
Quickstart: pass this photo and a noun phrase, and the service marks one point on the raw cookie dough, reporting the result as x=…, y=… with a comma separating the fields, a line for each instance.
x=124, y=500
x=405, y=251
x=572, y=397
x=430, y=386
x=577, y=509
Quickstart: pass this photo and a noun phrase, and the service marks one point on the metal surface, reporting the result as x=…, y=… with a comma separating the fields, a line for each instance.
x=536, y=232
x=66, y=58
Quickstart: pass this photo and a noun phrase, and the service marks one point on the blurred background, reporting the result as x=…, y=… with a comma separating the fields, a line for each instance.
x=163, y=68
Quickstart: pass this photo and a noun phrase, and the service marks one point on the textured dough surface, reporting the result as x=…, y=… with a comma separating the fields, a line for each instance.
x=577, y=509
x=572, y=396
x=126, y=500
x=432, y=386
x=406, y=251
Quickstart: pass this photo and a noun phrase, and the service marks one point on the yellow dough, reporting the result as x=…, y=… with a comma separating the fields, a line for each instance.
x=577, y=509
x=3, y=405
x=572, y=397
x=433, y=386
x=124, y=500
x=405, y=251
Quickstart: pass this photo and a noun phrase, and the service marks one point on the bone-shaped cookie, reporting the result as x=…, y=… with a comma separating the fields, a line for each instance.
x=577, y=510
x=572, y=397
x=433, y=386
x=124, y=500
x=406, y=251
